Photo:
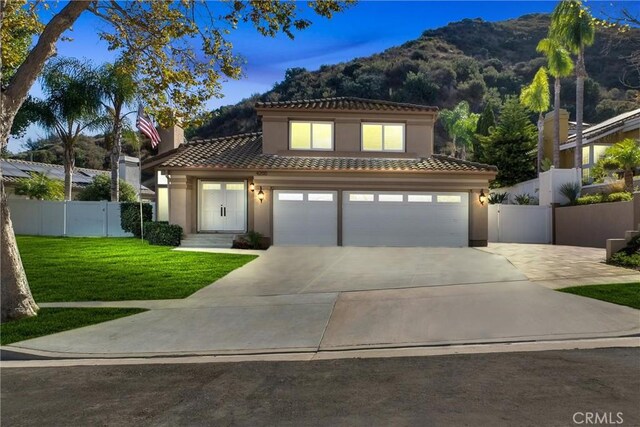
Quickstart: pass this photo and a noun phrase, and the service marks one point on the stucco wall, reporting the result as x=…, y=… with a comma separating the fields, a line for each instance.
x=347, y=132
x=592, y=225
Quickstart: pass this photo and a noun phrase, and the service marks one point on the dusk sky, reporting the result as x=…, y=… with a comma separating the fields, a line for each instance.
x=367, y=27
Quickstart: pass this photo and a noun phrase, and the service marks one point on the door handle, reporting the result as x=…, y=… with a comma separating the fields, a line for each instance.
x=225, y=211
x=221, y=210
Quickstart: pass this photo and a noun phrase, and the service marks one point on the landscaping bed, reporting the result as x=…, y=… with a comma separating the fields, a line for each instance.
x=115, y=269
x=54, y=320
x=618, y=293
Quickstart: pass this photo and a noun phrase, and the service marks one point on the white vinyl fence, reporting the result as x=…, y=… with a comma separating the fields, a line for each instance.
x=546, y=188
x=520, y=224
x=49, y=218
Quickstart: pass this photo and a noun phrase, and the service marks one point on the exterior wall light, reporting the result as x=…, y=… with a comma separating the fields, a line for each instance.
x=261, y=195
x=482, y=197
x=252, y=187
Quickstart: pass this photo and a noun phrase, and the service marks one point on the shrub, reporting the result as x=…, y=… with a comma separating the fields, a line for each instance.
x=497, y=198
x=623, y=260
x=100, y=189
x=571, y=190
x=255, y=239
x=590, y=199
x=621, y=196
x=130, y=216
x=40, y=187
x=162, y=233
x=524, y=199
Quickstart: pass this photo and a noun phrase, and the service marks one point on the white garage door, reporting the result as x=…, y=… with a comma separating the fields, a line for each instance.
x=405, y=219
x=305, y=218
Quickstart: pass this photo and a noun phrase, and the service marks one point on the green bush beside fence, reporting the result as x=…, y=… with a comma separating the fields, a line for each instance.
x=162, y=233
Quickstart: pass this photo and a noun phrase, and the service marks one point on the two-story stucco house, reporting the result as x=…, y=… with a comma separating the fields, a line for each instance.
x=334, y=171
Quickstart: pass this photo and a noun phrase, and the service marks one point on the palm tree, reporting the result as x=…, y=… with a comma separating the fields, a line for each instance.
x=626, y=156
x=119, y=90
x=460, y=123
x=72, y=105
x=536, y=98
x=560, y=65
x=572, y=25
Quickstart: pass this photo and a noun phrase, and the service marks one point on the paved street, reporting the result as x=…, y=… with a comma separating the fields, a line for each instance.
x=321, y=299
x=523, y=389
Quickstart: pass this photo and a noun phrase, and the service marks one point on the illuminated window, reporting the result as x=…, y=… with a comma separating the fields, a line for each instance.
x=311, y=135
x=290, y=196
x=390, y=198
x=420, y=198
x=361, y=197
x=235, y=187
x=382, y=137
x=448, y=199
x=598, y=152
x=211, y=186
x=320, y=197
x=585, y=156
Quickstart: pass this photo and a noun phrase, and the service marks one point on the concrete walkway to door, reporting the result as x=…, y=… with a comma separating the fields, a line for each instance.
x=309, y=299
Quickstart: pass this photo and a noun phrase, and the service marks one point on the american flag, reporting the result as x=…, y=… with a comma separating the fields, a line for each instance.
x=144, y=125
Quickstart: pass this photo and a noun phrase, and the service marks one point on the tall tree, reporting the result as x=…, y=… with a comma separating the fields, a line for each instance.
x=573, y=26
x=460, y=123
x=486, y=121
x=535, y=96
x=179, y=49
x=119, y=89
x=510, y=144
x=560, y=65
x=72, y=105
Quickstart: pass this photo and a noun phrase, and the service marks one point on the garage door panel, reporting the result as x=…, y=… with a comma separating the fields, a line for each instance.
x=419, y=220
x=305, y=218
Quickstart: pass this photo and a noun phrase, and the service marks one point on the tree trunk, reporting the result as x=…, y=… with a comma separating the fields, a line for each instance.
x=581, y=74
x=540, y=141
x=69, y=164
x=556, y=123
x=115, y=159
x=628, y=180
x=17, y=301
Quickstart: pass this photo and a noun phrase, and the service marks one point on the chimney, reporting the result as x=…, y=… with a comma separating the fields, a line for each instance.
x=130, y=171
x=548, y=131
x=170, y=138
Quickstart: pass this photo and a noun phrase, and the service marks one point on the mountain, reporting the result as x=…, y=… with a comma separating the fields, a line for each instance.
x=470, y=60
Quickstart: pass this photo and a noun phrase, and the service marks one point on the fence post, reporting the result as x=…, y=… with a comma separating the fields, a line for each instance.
x=64, y=218
x=105, y=219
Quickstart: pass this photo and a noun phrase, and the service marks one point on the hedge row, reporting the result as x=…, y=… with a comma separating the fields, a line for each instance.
x=130, y=216
x=162, y=233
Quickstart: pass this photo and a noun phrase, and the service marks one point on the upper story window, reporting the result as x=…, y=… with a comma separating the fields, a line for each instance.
x=310, y=135
x=383, y=137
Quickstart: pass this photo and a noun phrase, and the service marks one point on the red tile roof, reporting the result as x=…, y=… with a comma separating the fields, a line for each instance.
x=345, y=103
x=245, y=152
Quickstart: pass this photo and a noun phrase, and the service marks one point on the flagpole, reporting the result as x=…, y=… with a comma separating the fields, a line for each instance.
x=140, y=190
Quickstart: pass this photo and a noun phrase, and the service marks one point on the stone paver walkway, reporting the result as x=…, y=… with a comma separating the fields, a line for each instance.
x=562, y=266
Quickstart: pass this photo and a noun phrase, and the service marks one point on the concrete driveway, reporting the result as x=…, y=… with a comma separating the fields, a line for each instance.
x=311, y=299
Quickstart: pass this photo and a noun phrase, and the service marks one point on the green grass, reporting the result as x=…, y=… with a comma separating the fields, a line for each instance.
x=618, y=293
x=114, y=269
x=53, y=320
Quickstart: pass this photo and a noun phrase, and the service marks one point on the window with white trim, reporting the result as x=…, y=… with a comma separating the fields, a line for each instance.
x=419, y=198
x=310, y=135
x=443, y=198
x=383, y=137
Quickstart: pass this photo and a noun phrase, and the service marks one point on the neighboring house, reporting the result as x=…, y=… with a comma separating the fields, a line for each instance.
x=13, y=170
x=595, y=138
x=334, y=171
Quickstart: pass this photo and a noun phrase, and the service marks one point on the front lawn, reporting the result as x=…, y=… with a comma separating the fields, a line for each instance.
x=113, y=269
x=54, y=320
x=618, y=293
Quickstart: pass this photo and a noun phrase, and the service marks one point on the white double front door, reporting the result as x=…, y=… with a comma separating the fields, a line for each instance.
x=222, y=206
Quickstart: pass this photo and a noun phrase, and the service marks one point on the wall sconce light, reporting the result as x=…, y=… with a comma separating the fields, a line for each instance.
x=482, y=197
x=261, y=195
x=252, y=187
